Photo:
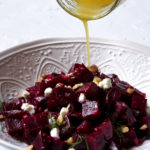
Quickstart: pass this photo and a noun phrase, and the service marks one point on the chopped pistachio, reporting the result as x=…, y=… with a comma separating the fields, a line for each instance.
x=130, y=91
x=96, y=80
x=40, y=79
x=60, y=119
x=69, y=141
x=70, y=74
x=143, y=127
x=30, y=147
x=1, y=116
x=124, y=129
x=93, y=68
x=76, y=86
x=44, y=76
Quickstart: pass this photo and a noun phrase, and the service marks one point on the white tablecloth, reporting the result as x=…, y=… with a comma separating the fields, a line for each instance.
x=26, y=20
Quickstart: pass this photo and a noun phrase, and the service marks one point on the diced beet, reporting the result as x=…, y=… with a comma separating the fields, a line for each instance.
x=34, y=122
x=15, y=114
x=75, y=118
x=57, y=144
x=62, y=96
x=37, y=89
x=41, y=141
x=67, y=129
x=114, y=78
x=13, y=105
x=123, y=113
x=14, y=125
x=40, y=103
x=105, y=128
x=130, y=139
x=120, y=108
x=112, y=97
x=80, y=74
x=54, y=79
x=53, y=103
x=85, y=127
x=91, y=91
x=14, y=128
x=90, y=110
x=98, y=140
x=138, y=104
x=144, y=121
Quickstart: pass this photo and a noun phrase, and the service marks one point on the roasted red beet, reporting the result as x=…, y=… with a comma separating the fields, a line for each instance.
x=98, y=139
x=90, y=110
x=35, y=122
x=37, y=90
x=130, y=139
x=64, y=95
x=42, y=141
x=14, y=125
x=15, y=114
x=112, y=97
x=138, y=104
x=91, y=91
x=144, y=126
x=14, y=105
x=123, y=113
x=80, y=74
x=54, y=78
x=85, y=127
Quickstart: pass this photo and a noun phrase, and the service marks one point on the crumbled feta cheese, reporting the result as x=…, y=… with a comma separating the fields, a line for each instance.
x=71, y=149
x=28, y=107
x=48, y=91
x=82, y=98
x=55, y=133
x=105, y=84
x=25, y=94
x=64, y=110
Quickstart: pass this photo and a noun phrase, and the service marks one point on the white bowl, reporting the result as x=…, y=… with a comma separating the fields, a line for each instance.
x=20, y=67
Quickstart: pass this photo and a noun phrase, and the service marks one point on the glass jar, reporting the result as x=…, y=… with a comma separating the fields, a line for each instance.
x=88, y=9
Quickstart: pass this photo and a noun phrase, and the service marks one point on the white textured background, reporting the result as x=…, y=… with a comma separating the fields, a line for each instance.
x=26, y=20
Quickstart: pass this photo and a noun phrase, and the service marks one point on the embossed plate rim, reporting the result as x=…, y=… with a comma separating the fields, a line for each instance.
x=37, y=43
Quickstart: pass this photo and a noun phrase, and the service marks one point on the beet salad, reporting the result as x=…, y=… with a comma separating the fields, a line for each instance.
x=81, y=110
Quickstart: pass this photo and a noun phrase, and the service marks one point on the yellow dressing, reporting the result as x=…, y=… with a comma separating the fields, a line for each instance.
x=92, y=9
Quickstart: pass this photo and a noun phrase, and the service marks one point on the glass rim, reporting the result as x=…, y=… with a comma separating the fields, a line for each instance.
x=117, y=2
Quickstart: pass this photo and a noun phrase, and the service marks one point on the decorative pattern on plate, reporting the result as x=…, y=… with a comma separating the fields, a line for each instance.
x=21, y=66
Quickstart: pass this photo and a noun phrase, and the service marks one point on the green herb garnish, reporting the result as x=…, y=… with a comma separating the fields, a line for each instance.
x=0, y=106
x=53, y=123
x=80, y=139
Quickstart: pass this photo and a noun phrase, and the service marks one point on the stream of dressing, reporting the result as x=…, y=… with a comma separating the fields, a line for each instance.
x=90, y=10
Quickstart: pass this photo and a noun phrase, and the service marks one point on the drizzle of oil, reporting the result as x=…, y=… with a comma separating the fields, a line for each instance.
x=85, y=22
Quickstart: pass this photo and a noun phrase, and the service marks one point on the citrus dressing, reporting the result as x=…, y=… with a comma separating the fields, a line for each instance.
x=90, y=10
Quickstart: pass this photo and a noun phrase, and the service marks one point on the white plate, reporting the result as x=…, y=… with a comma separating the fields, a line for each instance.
x=22, y=65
